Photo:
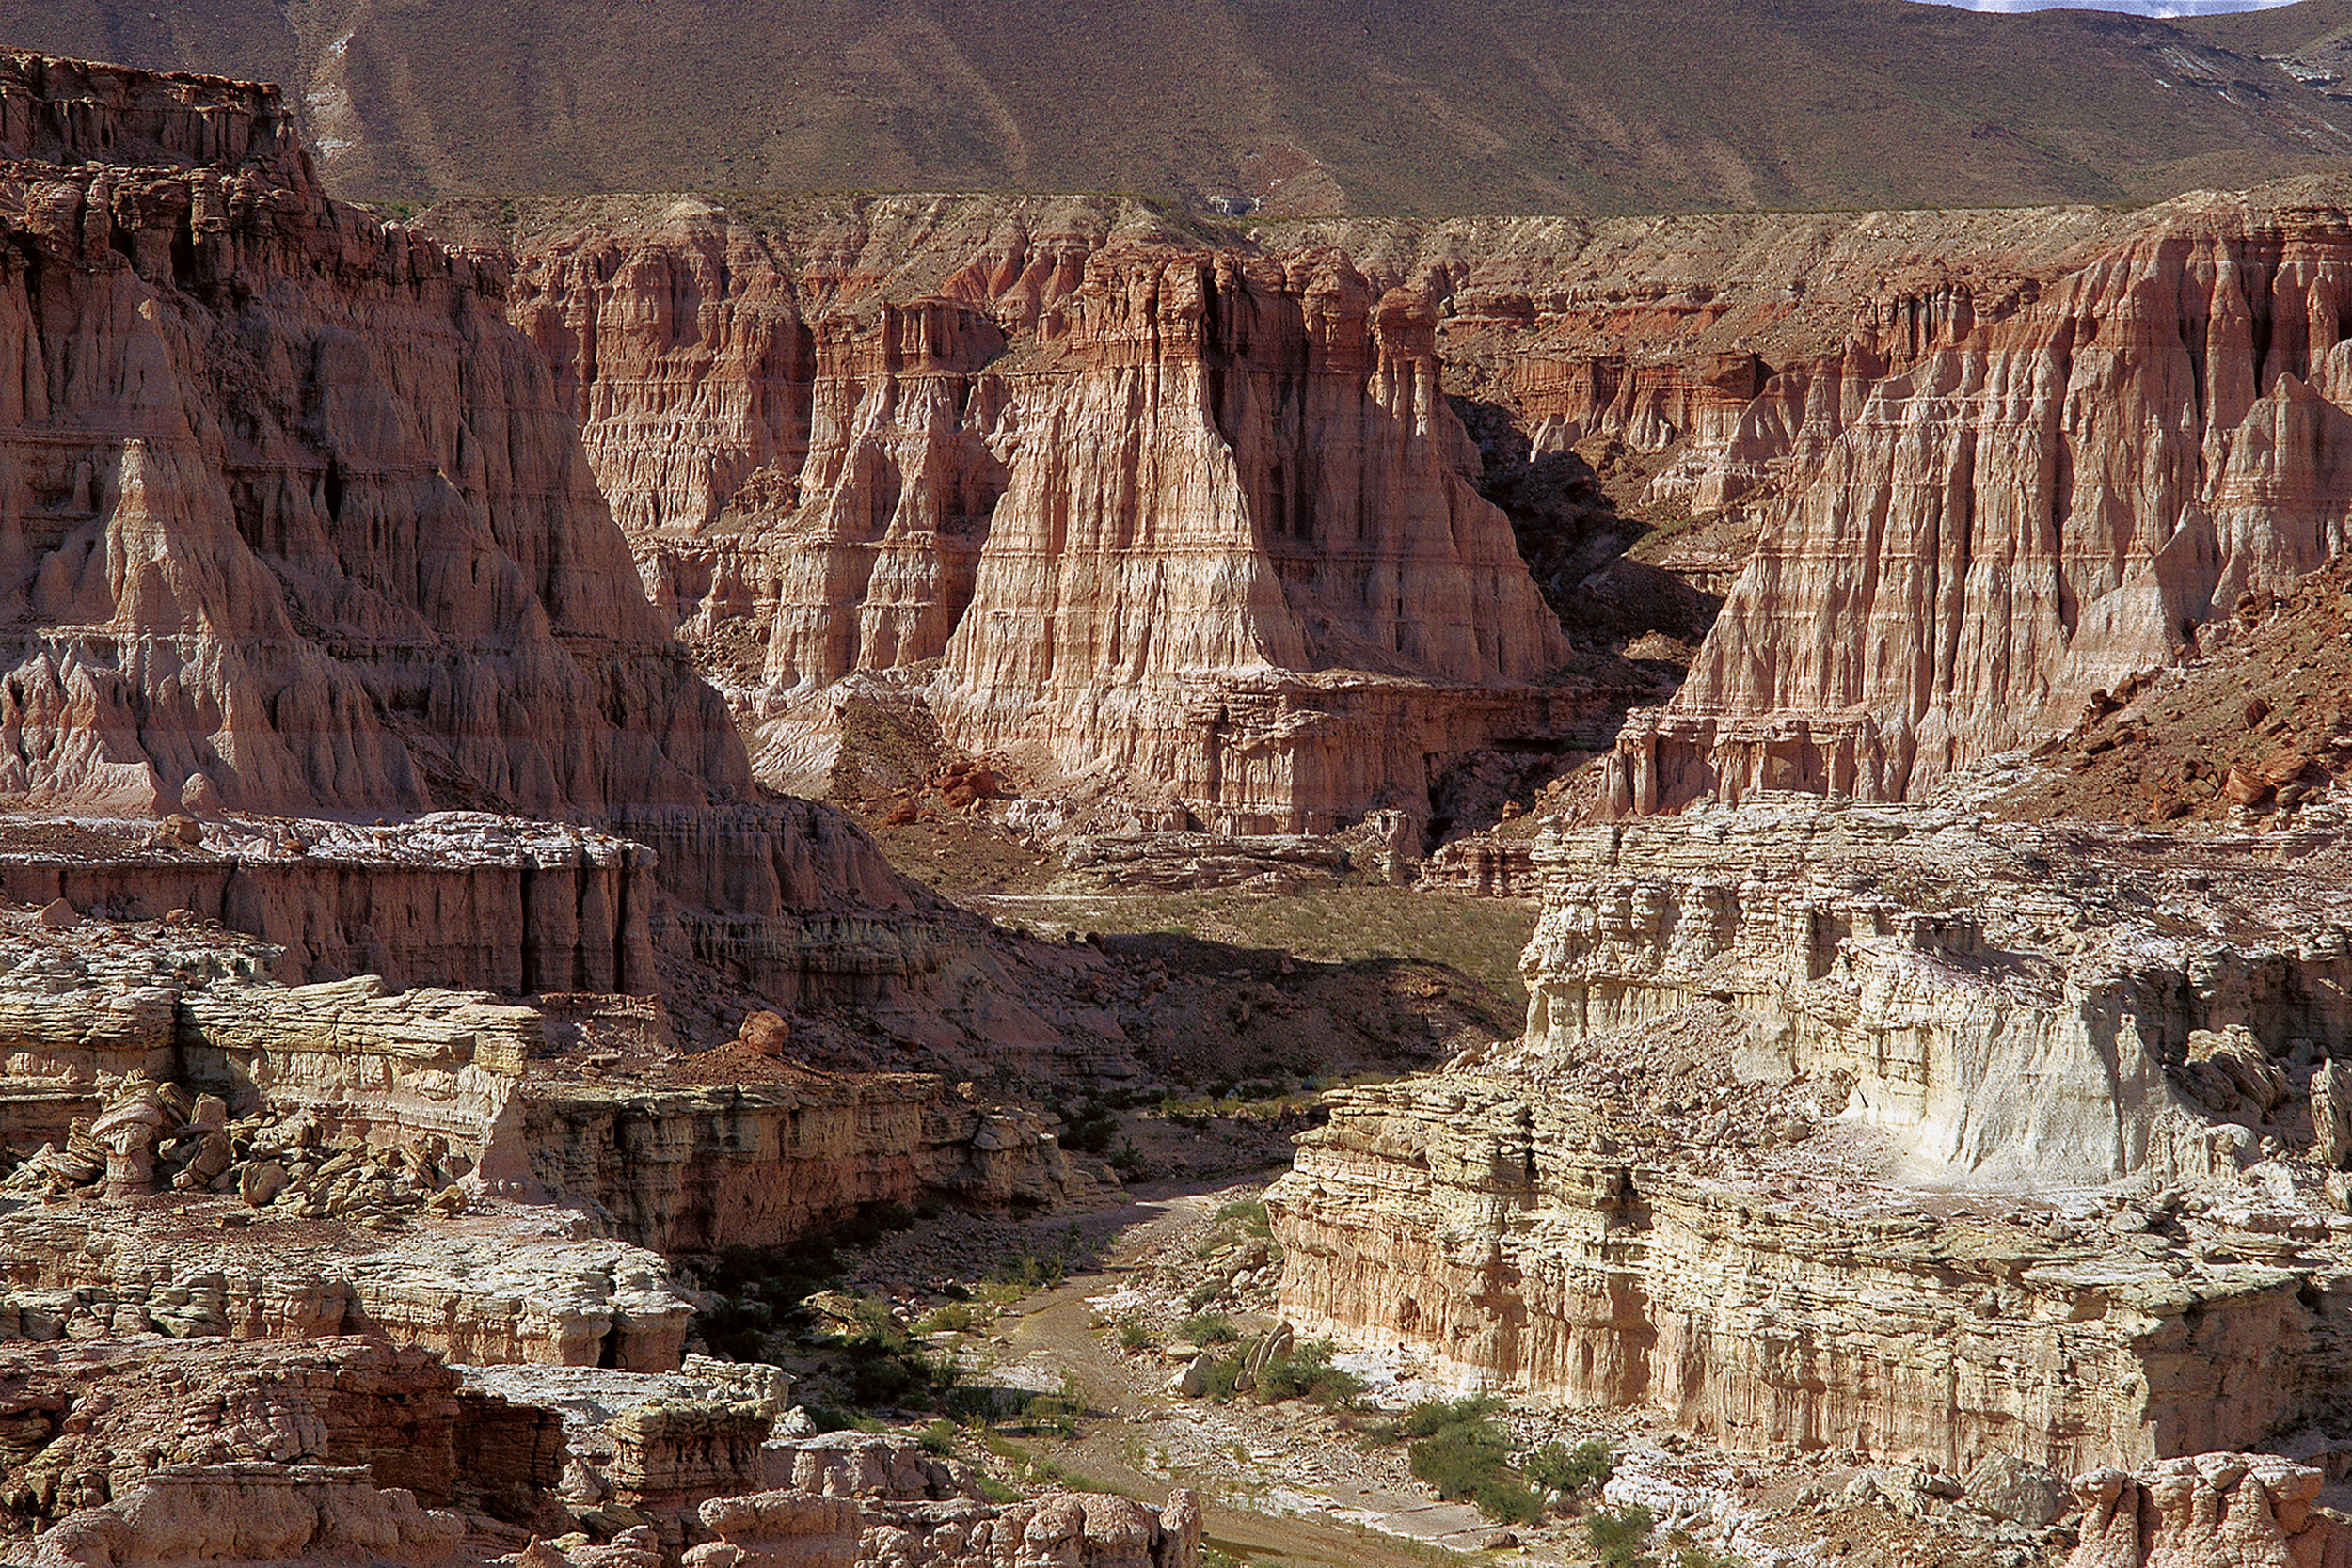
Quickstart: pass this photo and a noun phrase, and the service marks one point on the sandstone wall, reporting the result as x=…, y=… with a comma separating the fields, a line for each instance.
x=2223, y=1509
x=1871, y=1127
x=518, y=913
x=294, y=517
x=1989, y=1020
x=88, y=1419
x=836, y=457
x=1139, y=500
x=1517, y=1245
x=700, y=1170
x=494, y=1288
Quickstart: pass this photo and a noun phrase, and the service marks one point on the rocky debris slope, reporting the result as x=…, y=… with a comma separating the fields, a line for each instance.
x=1769, y=1139
x=2247, y=729
x=300, y=1515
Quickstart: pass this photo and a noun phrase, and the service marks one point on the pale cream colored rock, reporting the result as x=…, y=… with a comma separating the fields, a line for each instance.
x=2332, y=1114
x=2210, y=1511
x=2000, y=1013
x=1864, y=940
x=252, y=1514
x=795, y=1528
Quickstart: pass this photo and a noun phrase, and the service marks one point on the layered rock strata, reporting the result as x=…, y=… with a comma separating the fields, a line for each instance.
x=293, y=518
x=215, y=1155
x=2040, y=442
x=1297, y=603
x=696, y=1171
x=2041, y=506
x=453, y=899
x=2223, y=1508
x=1729, y=1176
x=2055, y=1028
x=855, y=1501
x=255, y=1512
x=88, y=1419
x=295, y=522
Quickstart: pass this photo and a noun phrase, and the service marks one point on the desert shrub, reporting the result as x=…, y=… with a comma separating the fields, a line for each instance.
x=1457, y=1460
x=1088, y=1127
x=1209, y=1328
x=1248, y=1216
x=1218, y=1377
x=1431, y=1416
x=955, y=1317
x=1557, y=1468
x=1619, y=1536
x=1507, y=1501
x=1133, y=1335
x=939, y=1438
x=1305, y=1372
x=1460, y=1451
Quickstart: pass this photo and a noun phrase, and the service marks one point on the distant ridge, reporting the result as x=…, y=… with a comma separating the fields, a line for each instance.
x=1310, y=106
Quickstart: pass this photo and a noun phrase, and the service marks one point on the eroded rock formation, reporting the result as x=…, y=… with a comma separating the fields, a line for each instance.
x=2034, y=505
x=2008, y=456
x=1200, y=516
x=293, y=520
x=255, y=1512
x=2217, y=1509
x=1726, y=1175
x=2049, y=1031
x=86, y=1417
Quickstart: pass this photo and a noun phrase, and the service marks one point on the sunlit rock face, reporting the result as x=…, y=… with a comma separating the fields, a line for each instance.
x=2030, y=511
x=1876, y=1127
x=1201, y=517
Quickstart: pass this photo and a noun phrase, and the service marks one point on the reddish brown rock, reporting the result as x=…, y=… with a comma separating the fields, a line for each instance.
x=2036, y=510
x=767, y=1033
x=406, y=594
x=2244, y=790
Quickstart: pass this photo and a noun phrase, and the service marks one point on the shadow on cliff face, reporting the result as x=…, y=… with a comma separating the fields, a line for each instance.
x=1574, y=523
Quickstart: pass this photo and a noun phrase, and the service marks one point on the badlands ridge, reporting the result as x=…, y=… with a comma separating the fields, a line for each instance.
x=423, y=983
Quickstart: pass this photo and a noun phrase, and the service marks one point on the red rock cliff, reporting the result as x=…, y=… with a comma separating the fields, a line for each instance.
x=289, y=517
x=1204, y=518
x=2032, y=510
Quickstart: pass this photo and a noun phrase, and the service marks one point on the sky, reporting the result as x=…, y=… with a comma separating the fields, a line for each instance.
x=2134, y=8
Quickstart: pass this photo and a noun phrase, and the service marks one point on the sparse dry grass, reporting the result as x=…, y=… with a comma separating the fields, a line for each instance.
x=1481, y=937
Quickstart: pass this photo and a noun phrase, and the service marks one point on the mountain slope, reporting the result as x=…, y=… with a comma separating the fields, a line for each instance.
x=1312, y=105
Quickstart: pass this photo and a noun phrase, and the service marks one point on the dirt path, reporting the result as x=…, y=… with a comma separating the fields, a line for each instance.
x=1276, y=1481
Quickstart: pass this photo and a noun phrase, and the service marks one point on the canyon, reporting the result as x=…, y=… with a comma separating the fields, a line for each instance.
x=1087, y=487
x=479, y=1082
